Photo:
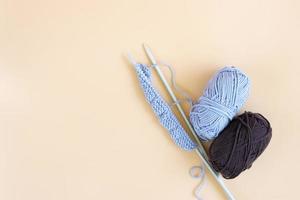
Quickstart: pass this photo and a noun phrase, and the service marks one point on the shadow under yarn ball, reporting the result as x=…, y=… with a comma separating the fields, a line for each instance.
x=240, y=144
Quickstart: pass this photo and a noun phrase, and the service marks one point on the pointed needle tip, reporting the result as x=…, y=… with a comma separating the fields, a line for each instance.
x=145, y=46
x=149, y=53
x=131, y=59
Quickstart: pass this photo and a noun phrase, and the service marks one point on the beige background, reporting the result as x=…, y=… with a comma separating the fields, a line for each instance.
x=73, y=121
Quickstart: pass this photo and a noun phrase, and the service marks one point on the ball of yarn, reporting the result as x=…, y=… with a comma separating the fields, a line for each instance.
x=223, y=97
x=239, y=144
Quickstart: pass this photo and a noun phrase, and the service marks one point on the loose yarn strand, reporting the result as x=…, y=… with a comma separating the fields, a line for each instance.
x=187, y=97
x=198, y=172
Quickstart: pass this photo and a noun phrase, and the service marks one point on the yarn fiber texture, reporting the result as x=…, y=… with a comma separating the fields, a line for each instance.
x=223, y=97
x=162, y=110
x=240, y=144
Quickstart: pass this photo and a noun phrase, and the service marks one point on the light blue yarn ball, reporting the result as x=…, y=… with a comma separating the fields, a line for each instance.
x=223, y=97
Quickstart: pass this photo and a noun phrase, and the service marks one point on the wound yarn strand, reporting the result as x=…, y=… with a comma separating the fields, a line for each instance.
x=240, y=144
x=223, y=97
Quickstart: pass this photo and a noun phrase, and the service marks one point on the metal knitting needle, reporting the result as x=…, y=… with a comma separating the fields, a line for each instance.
x=200, y=149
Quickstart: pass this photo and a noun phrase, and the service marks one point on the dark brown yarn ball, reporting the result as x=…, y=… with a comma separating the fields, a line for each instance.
x=239, y=144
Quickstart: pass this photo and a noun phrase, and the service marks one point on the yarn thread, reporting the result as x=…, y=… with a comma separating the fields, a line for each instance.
x=223, y=97
x=198, y=172
x=187, y=98
x=240, y=144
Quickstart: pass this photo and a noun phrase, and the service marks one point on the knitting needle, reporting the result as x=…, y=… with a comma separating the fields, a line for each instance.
x=131, y=59
x=200, y=149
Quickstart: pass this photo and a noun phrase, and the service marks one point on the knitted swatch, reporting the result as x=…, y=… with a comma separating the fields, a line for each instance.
x=162, y=110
